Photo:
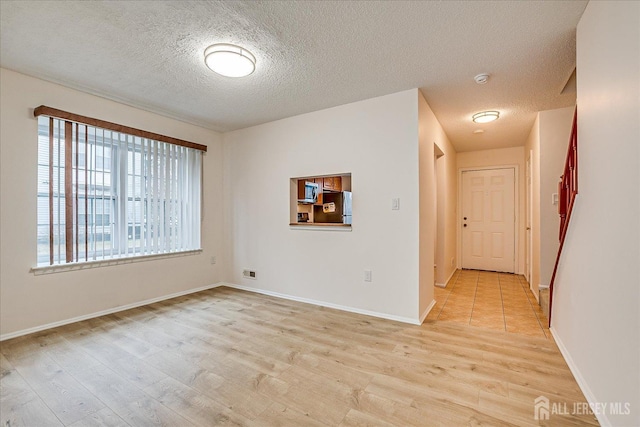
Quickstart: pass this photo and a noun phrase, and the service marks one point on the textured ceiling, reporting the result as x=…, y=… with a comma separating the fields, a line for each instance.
x=310, y=56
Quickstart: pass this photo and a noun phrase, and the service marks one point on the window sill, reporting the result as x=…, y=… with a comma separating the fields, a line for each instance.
x=84, y=265
x=320, y=226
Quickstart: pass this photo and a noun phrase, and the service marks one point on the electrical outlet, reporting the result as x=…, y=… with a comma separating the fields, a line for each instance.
x=395, y=204
x=213, y=260
x=367, y=276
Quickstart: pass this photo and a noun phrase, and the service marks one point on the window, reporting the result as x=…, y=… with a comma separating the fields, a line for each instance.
x=106, y=194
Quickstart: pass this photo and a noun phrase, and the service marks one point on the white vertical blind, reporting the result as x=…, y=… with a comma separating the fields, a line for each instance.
x=131, y=196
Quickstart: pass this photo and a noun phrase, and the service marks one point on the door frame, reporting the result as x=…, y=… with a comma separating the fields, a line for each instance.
x=439, y=205
x=528, y=264
x=517, y=232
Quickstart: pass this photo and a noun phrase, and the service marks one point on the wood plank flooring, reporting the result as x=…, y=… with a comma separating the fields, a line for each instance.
x=225, y=357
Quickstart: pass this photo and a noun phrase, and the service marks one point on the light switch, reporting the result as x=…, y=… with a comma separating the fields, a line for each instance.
x=554, y=199
x=395, y=204
x=367, y=275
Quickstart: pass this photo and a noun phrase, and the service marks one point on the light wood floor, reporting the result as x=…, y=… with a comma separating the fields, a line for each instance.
x=228, y=357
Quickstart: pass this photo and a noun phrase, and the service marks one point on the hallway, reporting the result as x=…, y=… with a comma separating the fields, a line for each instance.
x=490, y=300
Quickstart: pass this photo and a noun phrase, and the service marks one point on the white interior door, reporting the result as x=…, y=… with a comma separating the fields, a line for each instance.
x=488, y=220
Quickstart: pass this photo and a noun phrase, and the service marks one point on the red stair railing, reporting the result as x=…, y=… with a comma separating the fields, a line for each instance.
x=567, y=191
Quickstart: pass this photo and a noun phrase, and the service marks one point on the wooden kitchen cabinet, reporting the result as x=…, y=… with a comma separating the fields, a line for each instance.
x=332, y=183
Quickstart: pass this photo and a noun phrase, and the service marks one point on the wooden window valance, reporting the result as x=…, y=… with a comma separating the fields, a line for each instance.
x=64, y=115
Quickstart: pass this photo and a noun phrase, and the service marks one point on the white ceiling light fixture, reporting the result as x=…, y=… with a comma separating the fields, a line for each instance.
x=229, y=60
x=485, y=116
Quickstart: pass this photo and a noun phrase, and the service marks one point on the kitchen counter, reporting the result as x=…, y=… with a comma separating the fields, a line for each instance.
x=321, y=225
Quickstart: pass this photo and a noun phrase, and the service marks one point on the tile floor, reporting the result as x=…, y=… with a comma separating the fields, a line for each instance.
x=490, y=300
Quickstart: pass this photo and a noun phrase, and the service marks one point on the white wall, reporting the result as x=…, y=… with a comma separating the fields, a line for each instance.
x=501, y=157
x=547, y=143
x=28, y=301
x=428, y=212
x=450, y=260
x=375, y=140
x=596, y=302
x=555, y=129
x=445, y=185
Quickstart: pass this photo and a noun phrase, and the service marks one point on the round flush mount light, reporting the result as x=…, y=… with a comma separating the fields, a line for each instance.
x=481, y=78
x=485, y=116
x=229, y=60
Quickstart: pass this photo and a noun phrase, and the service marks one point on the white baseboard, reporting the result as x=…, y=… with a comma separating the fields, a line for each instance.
x=325, y=304
x=427, y=311
x=588, y=394
x=27, y=331
x=444, y=285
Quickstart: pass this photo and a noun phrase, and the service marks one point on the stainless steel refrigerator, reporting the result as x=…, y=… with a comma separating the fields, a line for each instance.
x=336, y=208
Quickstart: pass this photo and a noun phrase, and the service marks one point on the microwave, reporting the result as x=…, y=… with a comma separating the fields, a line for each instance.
x=311, y=190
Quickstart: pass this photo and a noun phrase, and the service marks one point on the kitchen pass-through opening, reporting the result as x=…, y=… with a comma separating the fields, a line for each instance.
x=321, y=201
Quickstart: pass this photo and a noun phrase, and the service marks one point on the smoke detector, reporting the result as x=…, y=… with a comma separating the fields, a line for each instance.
x=481, y=78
